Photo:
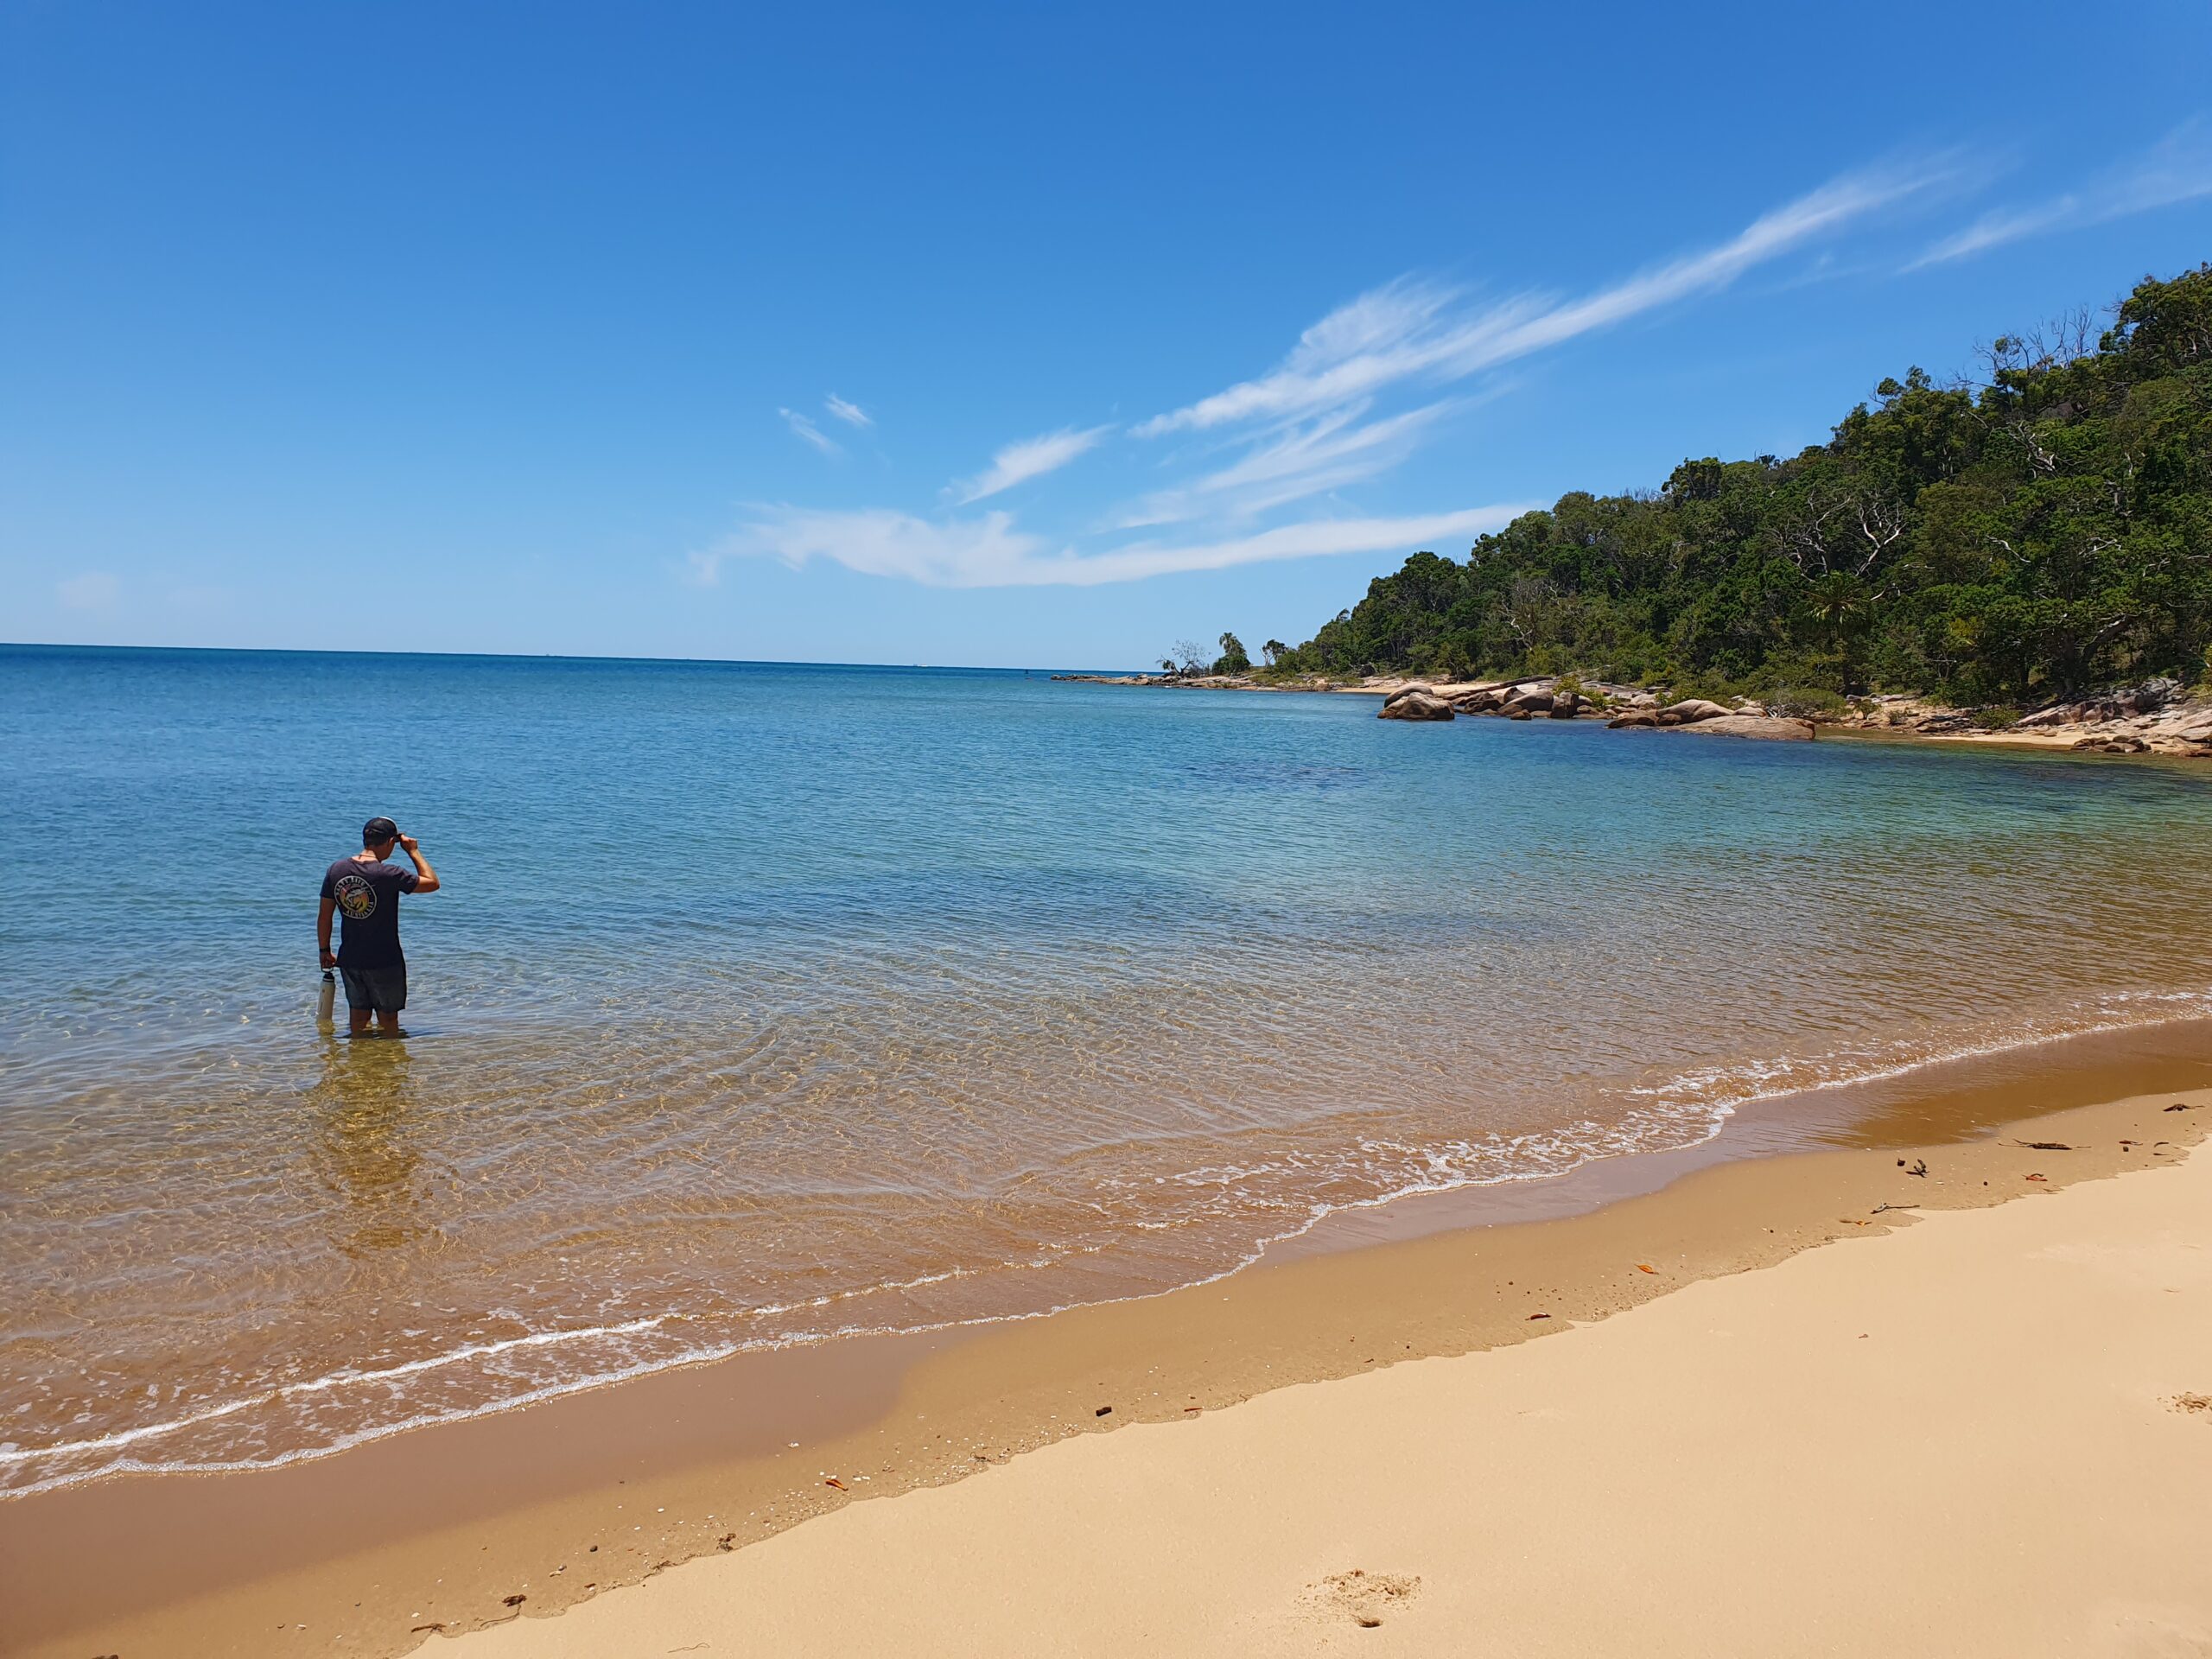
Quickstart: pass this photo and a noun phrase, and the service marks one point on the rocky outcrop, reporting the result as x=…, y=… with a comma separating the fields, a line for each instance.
x=2156, y=717
x=1416, y=703
x=1775, y=727
x=2125, y=703
x=2158, y=714
x=1628, y=706
x=1524, y=699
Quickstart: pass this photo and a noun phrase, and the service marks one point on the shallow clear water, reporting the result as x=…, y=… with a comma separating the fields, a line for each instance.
x=768, y=1002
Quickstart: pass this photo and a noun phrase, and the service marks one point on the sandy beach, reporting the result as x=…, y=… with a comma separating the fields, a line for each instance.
x=1987, y=1432
x=1651, y=1424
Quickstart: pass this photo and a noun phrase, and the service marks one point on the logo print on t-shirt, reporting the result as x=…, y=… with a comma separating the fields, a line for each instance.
x=356, y=896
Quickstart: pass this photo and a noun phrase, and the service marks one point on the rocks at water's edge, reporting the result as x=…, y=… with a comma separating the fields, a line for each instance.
x=1776, y=727
x=2158, y=717
x=1513, y=699
x=1416, y=704
x=1531, y=699
x=1725, y=723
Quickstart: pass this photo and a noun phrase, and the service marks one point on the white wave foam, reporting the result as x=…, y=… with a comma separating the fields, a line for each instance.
x=1749, y=1081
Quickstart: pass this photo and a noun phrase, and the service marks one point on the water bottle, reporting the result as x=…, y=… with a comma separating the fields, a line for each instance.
x=325, y=1000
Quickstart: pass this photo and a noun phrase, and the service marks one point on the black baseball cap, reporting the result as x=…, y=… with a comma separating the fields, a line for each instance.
x=378, y=830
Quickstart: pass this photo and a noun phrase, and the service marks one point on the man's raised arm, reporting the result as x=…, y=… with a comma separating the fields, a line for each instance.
x=426, y=879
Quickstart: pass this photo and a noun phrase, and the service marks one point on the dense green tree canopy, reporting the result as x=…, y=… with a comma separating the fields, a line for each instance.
x=2044, y=530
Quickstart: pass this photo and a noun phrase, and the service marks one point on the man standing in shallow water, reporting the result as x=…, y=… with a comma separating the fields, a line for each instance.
x=365, y=890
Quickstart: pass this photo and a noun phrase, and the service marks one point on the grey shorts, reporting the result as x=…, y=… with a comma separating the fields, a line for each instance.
x=381, y=989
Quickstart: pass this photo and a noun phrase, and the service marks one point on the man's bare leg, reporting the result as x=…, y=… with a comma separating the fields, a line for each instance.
x=388, y=1023
x=357, y=1022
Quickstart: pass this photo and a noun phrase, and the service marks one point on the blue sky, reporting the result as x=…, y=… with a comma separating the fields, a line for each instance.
x=1016, y=335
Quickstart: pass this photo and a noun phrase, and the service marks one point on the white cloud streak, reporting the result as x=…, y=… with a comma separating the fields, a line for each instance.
x=1334, y=449
x=983, y=552
x=1994, y=229
x=1411, y=329
x=850, y=414
x=1030, y=458
x=805, y=429
x=990, y=552
x=2177, y=168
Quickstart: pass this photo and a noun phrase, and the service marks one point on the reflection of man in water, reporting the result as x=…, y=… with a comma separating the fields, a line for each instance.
x=365, y=890
x=366, y=1147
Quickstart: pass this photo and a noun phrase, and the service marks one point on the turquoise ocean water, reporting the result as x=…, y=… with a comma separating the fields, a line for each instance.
x=769, y=1003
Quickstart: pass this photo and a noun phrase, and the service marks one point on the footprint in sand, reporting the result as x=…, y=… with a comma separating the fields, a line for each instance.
x=1362, y=1596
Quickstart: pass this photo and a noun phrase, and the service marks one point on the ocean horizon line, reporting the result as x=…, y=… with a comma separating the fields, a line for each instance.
x=61, y=647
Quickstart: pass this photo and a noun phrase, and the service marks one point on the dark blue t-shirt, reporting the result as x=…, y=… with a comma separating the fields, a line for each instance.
x=367, y=897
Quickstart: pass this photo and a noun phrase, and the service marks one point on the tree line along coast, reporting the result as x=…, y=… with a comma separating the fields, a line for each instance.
x=2024, y=551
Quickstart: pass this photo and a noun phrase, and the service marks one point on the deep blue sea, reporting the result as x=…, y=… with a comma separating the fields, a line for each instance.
x=765, y=1002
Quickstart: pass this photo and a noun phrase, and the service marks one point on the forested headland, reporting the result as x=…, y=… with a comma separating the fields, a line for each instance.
x=2041, y=529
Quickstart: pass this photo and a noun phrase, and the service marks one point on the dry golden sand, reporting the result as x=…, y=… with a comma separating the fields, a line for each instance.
x=1971, y=1436
x=1739, y=1467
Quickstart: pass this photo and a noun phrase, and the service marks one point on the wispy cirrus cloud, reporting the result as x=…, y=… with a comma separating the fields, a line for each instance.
x=1995, y=229
x=1412, y=329
x=1354, y=397
x=1029, y=458
x=981, y=552
x=2177, y=168
x=989, y=551
x=850, y=413
x=804, y=428
x=1334, y=450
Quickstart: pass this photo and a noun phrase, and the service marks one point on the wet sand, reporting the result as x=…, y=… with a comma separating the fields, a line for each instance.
x=528, y=1512
x=1987, y=1433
